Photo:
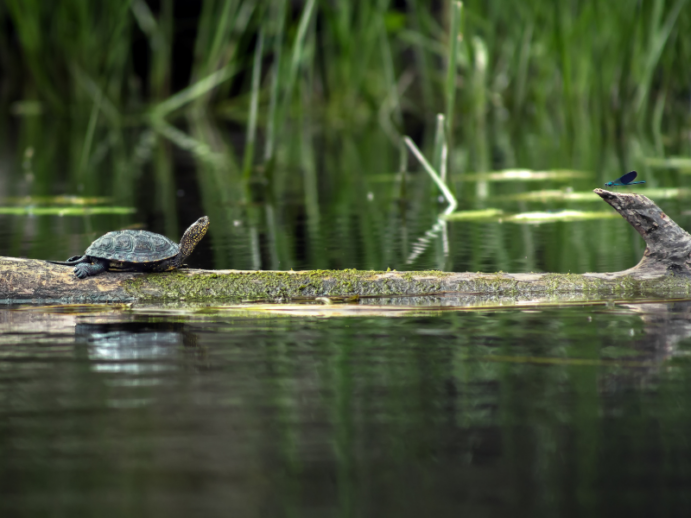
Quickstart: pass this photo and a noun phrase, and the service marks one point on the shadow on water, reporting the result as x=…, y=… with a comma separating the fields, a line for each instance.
x=544, y=411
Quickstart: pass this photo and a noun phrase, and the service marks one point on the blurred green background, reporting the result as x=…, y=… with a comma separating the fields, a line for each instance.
x=284, y=122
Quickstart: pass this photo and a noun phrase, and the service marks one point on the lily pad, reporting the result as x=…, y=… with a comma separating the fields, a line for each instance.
x=57, y=200
x=473, y=215
x=65, y=211
x=578, y=196
x=564, y=215
x=523, y=175
x=555, y=194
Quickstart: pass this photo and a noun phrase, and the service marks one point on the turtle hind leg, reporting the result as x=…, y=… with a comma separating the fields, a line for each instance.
x=84, y=270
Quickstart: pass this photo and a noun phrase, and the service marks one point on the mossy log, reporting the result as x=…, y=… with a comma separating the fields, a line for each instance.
x=665, y=269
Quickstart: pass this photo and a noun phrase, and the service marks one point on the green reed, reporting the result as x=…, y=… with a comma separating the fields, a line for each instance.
x=327, y=91
x=608, y=65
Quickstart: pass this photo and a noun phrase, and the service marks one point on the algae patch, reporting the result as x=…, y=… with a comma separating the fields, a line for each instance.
x=273, y=285
x=279, y=286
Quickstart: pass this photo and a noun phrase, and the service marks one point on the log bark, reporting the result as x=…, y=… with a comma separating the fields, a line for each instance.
x=664, y=270
x=668, y=246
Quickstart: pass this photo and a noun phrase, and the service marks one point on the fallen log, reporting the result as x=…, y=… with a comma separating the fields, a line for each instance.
x=664, y=270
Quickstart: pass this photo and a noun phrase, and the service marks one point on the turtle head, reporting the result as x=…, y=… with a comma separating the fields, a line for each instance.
x=192, y=236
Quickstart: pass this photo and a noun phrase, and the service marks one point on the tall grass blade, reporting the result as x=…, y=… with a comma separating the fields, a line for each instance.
x=455, y=39
x=193, y=92
x=479, y=85
x=159, y=35
x=165, y=198
x=391, y=107
x=433, y=174
x=213, y=36
x=88, y=139
x=200, y=149
x=278, y=21
x=440, y=147
x=423, y=66
x=254, y=103
x=24, y=14
x=658, y=40
x=97, y=96
x=296, y=56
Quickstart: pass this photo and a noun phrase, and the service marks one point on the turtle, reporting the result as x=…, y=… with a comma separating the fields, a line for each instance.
x=136, y=251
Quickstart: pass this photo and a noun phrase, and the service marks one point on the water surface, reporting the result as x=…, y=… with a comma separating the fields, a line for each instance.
x=419, y=409
x=576, y=411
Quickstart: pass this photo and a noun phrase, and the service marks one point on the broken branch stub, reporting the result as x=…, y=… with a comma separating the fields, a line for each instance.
x=668, y=245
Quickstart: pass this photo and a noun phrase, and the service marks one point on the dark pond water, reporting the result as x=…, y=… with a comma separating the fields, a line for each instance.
x=166, y=411
x=334, y=200
x=573, y=411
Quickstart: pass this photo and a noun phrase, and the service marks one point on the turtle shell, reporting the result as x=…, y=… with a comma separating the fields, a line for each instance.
x=133, y=246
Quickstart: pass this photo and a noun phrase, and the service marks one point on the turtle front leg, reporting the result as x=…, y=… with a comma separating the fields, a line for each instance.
x=84, y=270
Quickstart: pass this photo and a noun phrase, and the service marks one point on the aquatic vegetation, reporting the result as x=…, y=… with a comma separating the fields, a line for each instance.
x=524, y=175
x=474, y=215
x=550, y=195
x=65, y=211
x=554, y=195
x=58, y=200
x=563, y=215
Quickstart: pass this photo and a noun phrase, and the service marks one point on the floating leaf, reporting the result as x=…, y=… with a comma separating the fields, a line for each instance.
x=555, y=194
x=564, y=215
x=65, y=211
x=473, y=215
x=666, y=194
x=524, y=175
x=57, y=200
x=565, y=195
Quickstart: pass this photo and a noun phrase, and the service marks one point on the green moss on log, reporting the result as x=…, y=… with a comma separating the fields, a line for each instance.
x=260, y=285
x=276, y=285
